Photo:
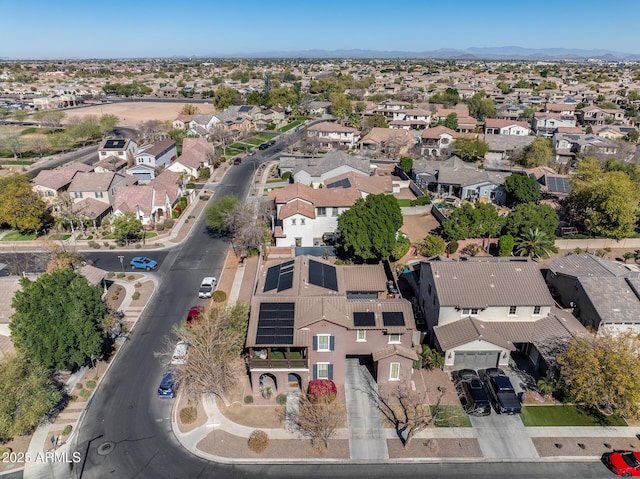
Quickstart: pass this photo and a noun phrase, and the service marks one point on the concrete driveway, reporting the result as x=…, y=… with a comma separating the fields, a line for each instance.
x=503, y=437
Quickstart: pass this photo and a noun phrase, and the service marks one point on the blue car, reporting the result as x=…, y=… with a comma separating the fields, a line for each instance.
x=166, y=388
x=140, y=262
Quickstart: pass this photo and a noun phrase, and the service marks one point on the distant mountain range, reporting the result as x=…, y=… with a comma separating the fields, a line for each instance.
x=474, y=53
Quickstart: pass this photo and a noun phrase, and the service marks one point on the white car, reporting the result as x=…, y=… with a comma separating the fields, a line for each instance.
x=206, y=287
x=179, y=353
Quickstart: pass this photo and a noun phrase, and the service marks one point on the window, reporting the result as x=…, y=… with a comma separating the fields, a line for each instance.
x=513, y=310
x=361, y=335
x=302, y=222
x=323, y=342
x=99, y=194
x=293, y=221
x=323, y=371
x=394, y=372
x=77, y=194
x=334, y=212
x=470, y=311
x=536, y=310
x=321, y=211
x=394, y=339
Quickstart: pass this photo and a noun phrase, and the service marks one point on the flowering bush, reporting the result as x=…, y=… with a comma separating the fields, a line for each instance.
x=322, y=390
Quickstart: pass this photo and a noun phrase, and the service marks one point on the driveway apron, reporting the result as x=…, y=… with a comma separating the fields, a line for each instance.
x=503, y=437
x=366, y=435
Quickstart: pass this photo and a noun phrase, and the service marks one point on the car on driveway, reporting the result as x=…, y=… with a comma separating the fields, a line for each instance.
x=623, y=463
x=194, y=315
x=167, y=388
x=206, y=287
x=472, y=392
x=501, y=391
x=140, y=262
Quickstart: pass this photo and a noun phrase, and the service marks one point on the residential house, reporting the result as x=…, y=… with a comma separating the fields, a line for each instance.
x=202, y=125
x=454, y=177
x=331, y=135
x=390, y=109
x=93, y=194
x=510, y=111
x=502, y=148
x=142, y=173
x=546, y=124
x=436, y=141
x=316, y=171
x=317, y=108
x=123, y=148
x=110, y=163
x=563, y=109
x=461, y=110
x=594, y=115
x=466, y=124
x=273, y=116
x=495, y=126
x=182, y=122
x=604, y=295
x=612, y=132
x=50, y=184
x=313, y=320
x=157, y=154
x=153, y=202
x=551, y=184
x=196, y=154
x=480, y=311
x=387, y=142
x=410, y=119
x=568, y=146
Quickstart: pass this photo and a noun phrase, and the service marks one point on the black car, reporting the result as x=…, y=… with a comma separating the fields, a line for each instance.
x=263, y=146
x=477, y=399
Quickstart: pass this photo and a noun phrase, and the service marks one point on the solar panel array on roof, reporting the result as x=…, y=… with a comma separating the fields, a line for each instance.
x=279, y=277
x=275, y=323
x=323, y=275
x=393, y=318
x=558, y=184
x=364, y=319
x=343, y=183
x=115, y=144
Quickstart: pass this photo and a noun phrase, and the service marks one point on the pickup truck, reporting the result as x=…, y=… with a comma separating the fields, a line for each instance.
x=501, y=391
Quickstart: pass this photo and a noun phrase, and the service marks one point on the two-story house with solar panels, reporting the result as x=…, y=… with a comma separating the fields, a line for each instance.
x=122, y=148
x=312, y=320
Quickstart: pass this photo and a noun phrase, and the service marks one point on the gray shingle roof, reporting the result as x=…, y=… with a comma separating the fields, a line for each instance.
x=586, y=265
x=479, y=284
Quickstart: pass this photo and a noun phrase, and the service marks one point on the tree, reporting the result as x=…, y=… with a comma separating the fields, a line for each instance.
x=216, y=213
x=85, y=130
x=633, y=136
x=451, y=121
x=340, y=103
x=61, y=141
x=224, y=97
x=375, y=121
x=470, y=148
x=504, y=87
x=521, y=189
x=107, y=123
x=39, y=144
x=20, y=207
x=216, y=342
x=599, y=372
x=505, y=245
x=432, y=245
x=189, y=110
x=126, y=227
x=51, y=119
x=12, y=142
x=538, y=153
x=57, y=319
x=482, y=107
x=27, y=392
x=469, y=221
x=406, y=163
x=535, y=244
x=318, y=419
x=369, y=229
x=247, y=225
x=532, y=216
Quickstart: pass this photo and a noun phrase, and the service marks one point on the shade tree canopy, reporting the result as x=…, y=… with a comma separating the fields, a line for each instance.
x=521, y=189
x=533, y=216
x=472, y=221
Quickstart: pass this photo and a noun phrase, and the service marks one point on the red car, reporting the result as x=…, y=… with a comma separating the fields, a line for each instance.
x=623, y=463
x=194, y=314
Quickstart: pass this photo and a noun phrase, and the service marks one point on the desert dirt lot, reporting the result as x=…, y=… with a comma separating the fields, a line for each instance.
x=131, y=114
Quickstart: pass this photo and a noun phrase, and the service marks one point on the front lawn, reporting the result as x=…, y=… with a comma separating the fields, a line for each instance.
x=264, y=137
x=567, y=415
x=451, y=416
x=291, y=125
x=404, y=202
x=17, y=236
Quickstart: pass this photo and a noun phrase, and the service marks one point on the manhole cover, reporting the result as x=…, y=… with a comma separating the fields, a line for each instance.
x=105, y=448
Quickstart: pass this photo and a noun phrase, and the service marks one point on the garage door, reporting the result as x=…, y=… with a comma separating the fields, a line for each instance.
x=476, y=359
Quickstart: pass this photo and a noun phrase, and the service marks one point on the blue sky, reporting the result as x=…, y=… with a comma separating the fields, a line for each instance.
x=144, y=28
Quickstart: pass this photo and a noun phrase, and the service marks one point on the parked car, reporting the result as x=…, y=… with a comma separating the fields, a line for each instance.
x=473, y=392
x=166, y=388
x=263, y=146
x=501, y=391
x=194, y=314
x=271, y=142
x=623, y=463
x=251, y=152
x=237, y=160
x=206, y=287
x=180, y=353
x=140, y=262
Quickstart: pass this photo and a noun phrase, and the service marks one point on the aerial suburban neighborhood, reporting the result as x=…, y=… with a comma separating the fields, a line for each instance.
x=409, y=260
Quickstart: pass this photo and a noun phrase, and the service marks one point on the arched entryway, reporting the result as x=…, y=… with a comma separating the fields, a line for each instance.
x=294, y=382
x=268, y=385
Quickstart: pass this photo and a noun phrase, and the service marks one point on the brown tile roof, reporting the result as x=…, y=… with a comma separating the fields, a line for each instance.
x=498, y=123
x=318, y=197
x=379, y=135
x=91, y=207
x=157, y=147
x=482, y=284
x=364, y=278
x=92, y=181
x=466, y=331
x=330, y=127
x=367, y=184
x=56, y=179
x=297, y=207
x=394, y=350
x=194, y=152
x=437, y=131
x=131, y=199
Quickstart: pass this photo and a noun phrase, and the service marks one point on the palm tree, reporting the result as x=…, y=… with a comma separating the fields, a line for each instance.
x=535, y=244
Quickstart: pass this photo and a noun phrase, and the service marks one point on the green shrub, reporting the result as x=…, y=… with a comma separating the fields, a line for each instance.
x=204, y=197
x=505, y=245
x=160, y=227
x=421, y=201
x=67, y=430
x=219, y=296
x=286, y=175
x=110, y=274
x=168, y=222
x=112, y=246
x=258, y=441
x=175, y=213
x=135, y=296
x=138, y=246
x=204, y=173
x=79, y=386
x=281, y=399
x=248, y=399
x=453, y=246
x=106, y=244
x=433, y=245
x=94, y=245
x=402, y=247
x=120, y=275
x=131, y=277
x=188, y=414
x=90, y=384
x=191, y=186
x=85, y=393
